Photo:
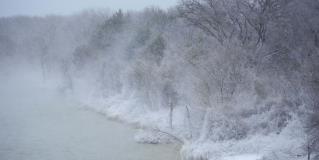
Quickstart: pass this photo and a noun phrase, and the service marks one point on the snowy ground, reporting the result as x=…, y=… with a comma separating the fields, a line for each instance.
x=37, y=124
x=243, y=157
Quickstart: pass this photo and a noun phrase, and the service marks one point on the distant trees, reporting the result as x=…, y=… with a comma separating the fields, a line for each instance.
x=142, y=36
x=156, y=18
x=45, y=43
x=104, y=36
x=156, y=49
x=7, y=46
x=82, y=56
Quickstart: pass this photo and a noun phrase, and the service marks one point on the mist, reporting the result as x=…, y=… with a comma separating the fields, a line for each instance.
x=205, y=79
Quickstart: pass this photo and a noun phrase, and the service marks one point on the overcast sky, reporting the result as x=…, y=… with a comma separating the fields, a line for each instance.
x=45, y=7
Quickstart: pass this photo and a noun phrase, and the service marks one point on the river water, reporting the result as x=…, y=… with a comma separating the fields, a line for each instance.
x=36, y=124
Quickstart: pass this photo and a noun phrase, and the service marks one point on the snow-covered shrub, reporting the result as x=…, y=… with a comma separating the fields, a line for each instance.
x=226, y=127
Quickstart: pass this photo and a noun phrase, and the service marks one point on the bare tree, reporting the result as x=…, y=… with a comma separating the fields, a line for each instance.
x=68, y=81
x=171, y=97
x=244, y=20
x=208, y=15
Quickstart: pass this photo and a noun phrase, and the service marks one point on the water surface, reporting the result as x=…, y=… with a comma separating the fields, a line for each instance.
x=37, y=124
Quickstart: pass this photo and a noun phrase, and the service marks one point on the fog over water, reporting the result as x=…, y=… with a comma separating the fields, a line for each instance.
x=37, y=123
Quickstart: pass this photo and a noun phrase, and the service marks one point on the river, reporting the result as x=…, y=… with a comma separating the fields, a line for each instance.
x=37, y=124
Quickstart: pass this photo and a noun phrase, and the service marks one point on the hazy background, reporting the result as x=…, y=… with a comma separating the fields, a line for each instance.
x=45, y=7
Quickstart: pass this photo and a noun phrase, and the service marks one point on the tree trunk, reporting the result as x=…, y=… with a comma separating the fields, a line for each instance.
x=308, y=152
x=206, y=125
x=189, y=123
x=171, y=116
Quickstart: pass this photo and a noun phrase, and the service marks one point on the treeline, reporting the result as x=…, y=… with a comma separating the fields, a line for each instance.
x=277, y=40
x=237, y=68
